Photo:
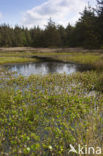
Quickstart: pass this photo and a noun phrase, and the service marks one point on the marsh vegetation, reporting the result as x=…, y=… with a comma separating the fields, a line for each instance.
x=44, y=114
x=51, y=95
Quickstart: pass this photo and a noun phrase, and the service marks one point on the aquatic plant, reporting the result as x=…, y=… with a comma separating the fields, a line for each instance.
x=43, y=115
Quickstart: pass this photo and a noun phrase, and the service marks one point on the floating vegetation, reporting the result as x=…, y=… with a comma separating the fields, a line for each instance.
x=43, y=115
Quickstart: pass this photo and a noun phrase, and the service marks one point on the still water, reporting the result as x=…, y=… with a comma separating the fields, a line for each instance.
x=43, y=68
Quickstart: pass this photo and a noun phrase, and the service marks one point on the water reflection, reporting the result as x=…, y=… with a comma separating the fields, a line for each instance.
x=44, y=68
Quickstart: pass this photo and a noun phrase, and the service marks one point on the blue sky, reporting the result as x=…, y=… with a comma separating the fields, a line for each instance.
x=37, y=12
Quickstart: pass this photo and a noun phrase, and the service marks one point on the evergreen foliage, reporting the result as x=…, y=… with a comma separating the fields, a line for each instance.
x=87, y=32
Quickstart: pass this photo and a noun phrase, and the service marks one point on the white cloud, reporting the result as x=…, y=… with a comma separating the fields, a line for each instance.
x=61, y=11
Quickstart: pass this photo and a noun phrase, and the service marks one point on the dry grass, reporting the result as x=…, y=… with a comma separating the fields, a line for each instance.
x=46, y=50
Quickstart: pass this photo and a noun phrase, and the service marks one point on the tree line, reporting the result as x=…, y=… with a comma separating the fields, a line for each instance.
x=87, y=32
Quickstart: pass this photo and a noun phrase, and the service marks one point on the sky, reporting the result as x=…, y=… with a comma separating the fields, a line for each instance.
x=30, y=13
